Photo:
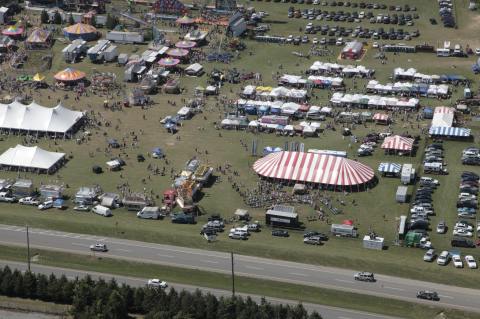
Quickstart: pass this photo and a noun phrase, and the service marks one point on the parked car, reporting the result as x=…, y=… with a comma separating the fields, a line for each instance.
x=444, y=258
x=29, y=201
x=441, y=227
x=238, y=235
x=457, y=261
x=82, y=208
x=280, y=233
x=312, y=240
x=46, y=205
x=471, y=263
x=157, y=283
x=428, y=295
x=462, y=232
x=99, y=247
x=429, y=255
x=364, y=276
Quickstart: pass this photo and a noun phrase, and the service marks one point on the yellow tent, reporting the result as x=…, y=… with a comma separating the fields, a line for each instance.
x=38, y=77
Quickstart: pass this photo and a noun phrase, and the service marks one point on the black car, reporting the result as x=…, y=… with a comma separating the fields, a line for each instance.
x=428, y=295
x=462, y=242
x=280, y=233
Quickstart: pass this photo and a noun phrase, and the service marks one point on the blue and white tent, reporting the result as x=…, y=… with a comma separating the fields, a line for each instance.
x=390, y=168
x=449, y=131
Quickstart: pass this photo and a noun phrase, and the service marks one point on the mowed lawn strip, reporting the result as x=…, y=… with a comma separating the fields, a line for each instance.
x=269, y=288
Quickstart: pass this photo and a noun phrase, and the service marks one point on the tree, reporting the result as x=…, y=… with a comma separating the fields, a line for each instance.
x=44, y=17
x=42, y=287
x=6, y=286
x=29, y=285
x=115, y=307
x=138, y=297
x=82, y=297
x=17, y=278
x=71, y=21
x=57, y=18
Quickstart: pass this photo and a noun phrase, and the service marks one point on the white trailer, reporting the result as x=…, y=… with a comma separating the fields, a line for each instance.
x=125, y=37
x=408, y=174
x=111, y=53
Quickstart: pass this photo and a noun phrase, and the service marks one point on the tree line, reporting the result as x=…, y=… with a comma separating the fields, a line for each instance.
x=108, y=300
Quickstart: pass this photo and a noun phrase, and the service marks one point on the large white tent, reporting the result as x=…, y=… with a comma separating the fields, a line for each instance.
x=31, y=158
x=37, y=118
x=443, y=116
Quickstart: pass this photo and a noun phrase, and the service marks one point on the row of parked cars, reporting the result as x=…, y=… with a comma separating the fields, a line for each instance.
x=471, y=156
x=360, y=32
x=444, y=258
x=351, y=4
x=352, y=17
x=446, y=13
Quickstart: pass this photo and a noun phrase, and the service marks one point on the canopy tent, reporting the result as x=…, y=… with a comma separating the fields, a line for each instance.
x=185, y=20
x=398, y=143
x=13, y=31
x=185, y=44
x=39, y=38
x=69, y=75
x=449, y=131
x=22, y=157
x=178, y=53
x=381, y=117
x=80, y=31
x=313, y=168
x=443, y=116
x=38, y=77
x=36, y=118
x=168, y=62
x=390, y=168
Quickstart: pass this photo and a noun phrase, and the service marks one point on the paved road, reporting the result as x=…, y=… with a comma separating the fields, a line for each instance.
x=304, y=274
x=326, y=311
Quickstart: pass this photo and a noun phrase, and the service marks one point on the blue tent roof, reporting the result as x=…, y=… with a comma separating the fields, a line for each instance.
x=449, y=131
x=389, y=168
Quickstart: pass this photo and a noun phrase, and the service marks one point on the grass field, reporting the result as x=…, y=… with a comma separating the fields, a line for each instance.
x=242, y=284
x=374, y=210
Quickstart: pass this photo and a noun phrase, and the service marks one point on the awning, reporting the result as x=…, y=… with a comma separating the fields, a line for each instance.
x=389, y=168
x=449, y=131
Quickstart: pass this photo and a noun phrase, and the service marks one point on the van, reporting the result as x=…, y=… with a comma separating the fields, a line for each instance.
x=462, y=242
x=149, y=213
x=5, y=197
x=102, y=210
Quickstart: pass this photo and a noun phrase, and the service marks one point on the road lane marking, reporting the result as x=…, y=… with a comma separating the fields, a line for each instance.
x=253, y=267
x=448, y=297
x=121, y=249
x=209, y=261
x=297, y=274
x=394, y=288
x=166, y=256
x=342, y=317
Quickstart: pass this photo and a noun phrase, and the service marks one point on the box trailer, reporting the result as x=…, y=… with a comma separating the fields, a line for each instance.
x=125, y=37
x=342, y=230
x=373, y=242
x=402, y=194
x=408, y=174
x=282, y=216
x=111, y=53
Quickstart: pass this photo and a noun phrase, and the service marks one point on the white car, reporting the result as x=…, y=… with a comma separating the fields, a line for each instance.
x=478, y=227
x=471, y=263
x=477, y=51
x=462, y=233
x=29, y=201
x=157, y=283
x=443, y=259
x=457, y=261
x=46, y=205
x=315, y=41
x=429, y=255
x=464, y=226
x=82, y=208
x=375, y=45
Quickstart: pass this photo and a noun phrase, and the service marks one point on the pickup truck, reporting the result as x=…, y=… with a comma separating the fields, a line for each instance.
x=4, y=197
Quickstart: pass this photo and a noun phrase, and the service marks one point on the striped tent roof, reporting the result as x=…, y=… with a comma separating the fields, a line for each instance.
x=398, y=143
x=449, y=131
x=38, y=36
x=444, y=110
x=80, y=28
x=381, y=117
x=313, y=168
x=390, y=168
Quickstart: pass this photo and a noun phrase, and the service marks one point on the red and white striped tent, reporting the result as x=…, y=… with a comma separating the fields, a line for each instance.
x=313, y=168
x=381, y=117
x=398, y=143
x=444, y=110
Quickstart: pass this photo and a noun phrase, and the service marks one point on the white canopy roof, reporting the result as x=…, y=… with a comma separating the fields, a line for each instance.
x=32, y=157
x=34, y=117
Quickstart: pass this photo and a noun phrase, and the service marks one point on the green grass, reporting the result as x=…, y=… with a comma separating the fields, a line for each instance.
x=242, y=284
x=375, y=209
x=27, y=305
